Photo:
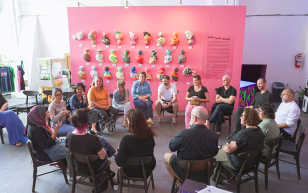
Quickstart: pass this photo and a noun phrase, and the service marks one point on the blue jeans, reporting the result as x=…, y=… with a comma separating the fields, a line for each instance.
x=65, y=128
x=145, y=107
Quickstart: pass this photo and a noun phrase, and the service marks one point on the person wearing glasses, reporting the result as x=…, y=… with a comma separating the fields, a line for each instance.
x=120, y=100
x=197, y=95
x=197, y=142
x=59, y=113
x=141, y=91
x=224, y=103
x=287, y=113
x=268, y=125
x=167, y=97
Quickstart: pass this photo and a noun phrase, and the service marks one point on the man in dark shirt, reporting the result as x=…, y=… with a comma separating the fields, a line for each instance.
x=224, y=99
x=195, y=143
x=263, y=96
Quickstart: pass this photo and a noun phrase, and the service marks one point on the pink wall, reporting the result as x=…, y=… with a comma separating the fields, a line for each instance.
x=201, y=20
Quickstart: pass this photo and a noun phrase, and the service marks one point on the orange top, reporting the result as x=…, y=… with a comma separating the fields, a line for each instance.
x=100, y=97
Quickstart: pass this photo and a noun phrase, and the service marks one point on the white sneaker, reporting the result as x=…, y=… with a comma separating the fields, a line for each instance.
x=173, y=122
x=159, y=120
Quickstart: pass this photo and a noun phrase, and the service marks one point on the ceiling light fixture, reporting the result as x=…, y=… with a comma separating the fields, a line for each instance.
x=180, y=3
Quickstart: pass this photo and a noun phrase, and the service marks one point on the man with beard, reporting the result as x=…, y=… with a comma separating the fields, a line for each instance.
x=197, y=142
x=263, y=96
x=287, y=113
x=167, y=97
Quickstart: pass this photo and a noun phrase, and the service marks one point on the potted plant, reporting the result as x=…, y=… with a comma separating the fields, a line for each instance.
x=2, y=58
x=300, y=94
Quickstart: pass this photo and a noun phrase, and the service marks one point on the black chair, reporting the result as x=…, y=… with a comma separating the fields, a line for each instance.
x=251, y=161
x=168, y=109
x=291, y=148
x=67, y=96
x=193, y=165
x=120, y=113
x=26, y=107
x=88, y=159
x=227, y=116
x=293, y=138
x=136, y=161
x=274, y=144
x=37, y=164
x=1, y=134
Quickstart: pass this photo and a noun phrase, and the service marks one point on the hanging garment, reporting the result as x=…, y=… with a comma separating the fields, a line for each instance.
x=12, y=78
x=5, y=79
x=22, y=81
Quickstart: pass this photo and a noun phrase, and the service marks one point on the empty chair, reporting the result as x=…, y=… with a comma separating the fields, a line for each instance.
x=26, y=107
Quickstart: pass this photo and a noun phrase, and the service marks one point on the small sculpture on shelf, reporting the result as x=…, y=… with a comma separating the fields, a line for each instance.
x=93, y=73
x=181, y=58
x=79, y=36
x=147, y=37
x=126, y=57
x=107, y=74
x=190, y=36
x=168, y=57
x=153, y=58
x=139, y=58
x=134, y=74
x=174, y=75
x=99, y=57
x=160, y=73
x=133, y=37
x=188, y=71
x=148, y=75
x=175, y=40
x=113, y=57
x=161, y=40
x=86, y=55
x=106, y=39
x=81, y=73
x=120, y=74
x=92, y=37
x=119, y=36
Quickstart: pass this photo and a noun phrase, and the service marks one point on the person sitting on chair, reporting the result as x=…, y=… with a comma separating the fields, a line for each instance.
x=224, y=99
x=249, y=139
x=120, y=100
x=79, y=101
x=197, y=142
x=138, y=143
x=167, y=97
x=15, y=128
x=263, y=96
x=287, y=113
x=59, y=113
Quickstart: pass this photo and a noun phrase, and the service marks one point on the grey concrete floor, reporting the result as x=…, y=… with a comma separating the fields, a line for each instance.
x=16, y=169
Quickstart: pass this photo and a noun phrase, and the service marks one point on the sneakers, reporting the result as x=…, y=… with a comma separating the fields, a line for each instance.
x=173, y=122
x=159, y=120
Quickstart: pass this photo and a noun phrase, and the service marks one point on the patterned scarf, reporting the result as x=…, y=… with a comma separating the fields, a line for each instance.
x=37, y=117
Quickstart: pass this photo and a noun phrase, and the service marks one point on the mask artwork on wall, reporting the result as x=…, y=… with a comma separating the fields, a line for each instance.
x=92, y=37
x=120, y=74
x=148, y=75
x=133, y=37
x=168, y=57
x=119, y=36
x=81, y=73
x=181, y=58
x=79, y=36
x=174, y=75
x=147, y=37
x=113, y=57
x=126, y=57
x=161, y=40
x=153, y=58
x=99, y=57
x=134, y=74
x=188, y=71
x=86, y=55
x=106, y=39
x=160, y=73
x=139, y=58
x=93, y=73
x=107, y=74
x=190, y=36
x=175, y=40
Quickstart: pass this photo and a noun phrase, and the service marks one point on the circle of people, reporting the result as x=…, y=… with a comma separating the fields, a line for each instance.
x=196, y=142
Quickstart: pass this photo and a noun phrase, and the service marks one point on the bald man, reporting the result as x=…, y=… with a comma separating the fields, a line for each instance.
x=287, y=113
x=224, y=99
x=197, y=142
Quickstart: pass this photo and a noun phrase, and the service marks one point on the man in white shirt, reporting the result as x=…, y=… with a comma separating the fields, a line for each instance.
x=167, y=98
x=287, y=113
